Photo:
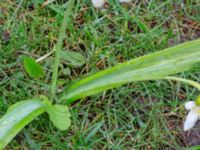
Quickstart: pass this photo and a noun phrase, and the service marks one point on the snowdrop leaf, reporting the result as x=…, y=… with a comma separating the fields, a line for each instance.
x=22, y=113
x=149, y=67
x=33, y=69
x=17, y=117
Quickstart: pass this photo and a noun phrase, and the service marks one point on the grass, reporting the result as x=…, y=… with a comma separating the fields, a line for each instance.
x=146, y=115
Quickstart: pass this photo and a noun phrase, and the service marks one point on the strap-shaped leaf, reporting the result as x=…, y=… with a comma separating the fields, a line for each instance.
x=19, y=115
x=150, y=67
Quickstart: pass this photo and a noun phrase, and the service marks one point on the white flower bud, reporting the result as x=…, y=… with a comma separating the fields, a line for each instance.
x=190, y=120
x=125, y=1
x=189, y=105
x=98, y=3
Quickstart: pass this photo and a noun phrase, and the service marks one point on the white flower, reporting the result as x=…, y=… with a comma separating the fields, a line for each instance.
x=125, y=1
x=98, y=3
x=193, y=115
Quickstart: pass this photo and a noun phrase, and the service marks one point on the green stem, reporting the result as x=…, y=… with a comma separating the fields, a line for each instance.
x=58, y=46
x=190, y=82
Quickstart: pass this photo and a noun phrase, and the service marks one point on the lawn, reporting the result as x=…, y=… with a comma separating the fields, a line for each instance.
x=140, y=115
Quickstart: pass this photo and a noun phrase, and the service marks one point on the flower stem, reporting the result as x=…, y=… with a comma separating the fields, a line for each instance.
x=58, y=46
x=190, y=82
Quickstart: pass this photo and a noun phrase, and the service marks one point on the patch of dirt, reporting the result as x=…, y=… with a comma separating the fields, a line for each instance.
x=6, y=36
x=192, y=137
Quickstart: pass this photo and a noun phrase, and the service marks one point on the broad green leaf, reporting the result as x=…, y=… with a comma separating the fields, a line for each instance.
x=59, y=115
x=18, y=116
x=72, y=59
x=33, y=69
x=150, y=67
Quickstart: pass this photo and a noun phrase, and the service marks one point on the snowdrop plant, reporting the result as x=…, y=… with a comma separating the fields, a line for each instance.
x=155, y=66
x=192, y=106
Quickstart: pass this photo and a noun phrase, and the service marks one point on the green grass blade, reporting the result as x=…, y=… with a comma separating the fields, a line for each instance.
x=18, y=116
x=150, y=67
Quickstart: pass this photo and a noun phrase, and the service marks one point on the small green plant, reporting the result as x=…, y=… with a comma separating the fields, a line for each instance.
x=155, y=66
